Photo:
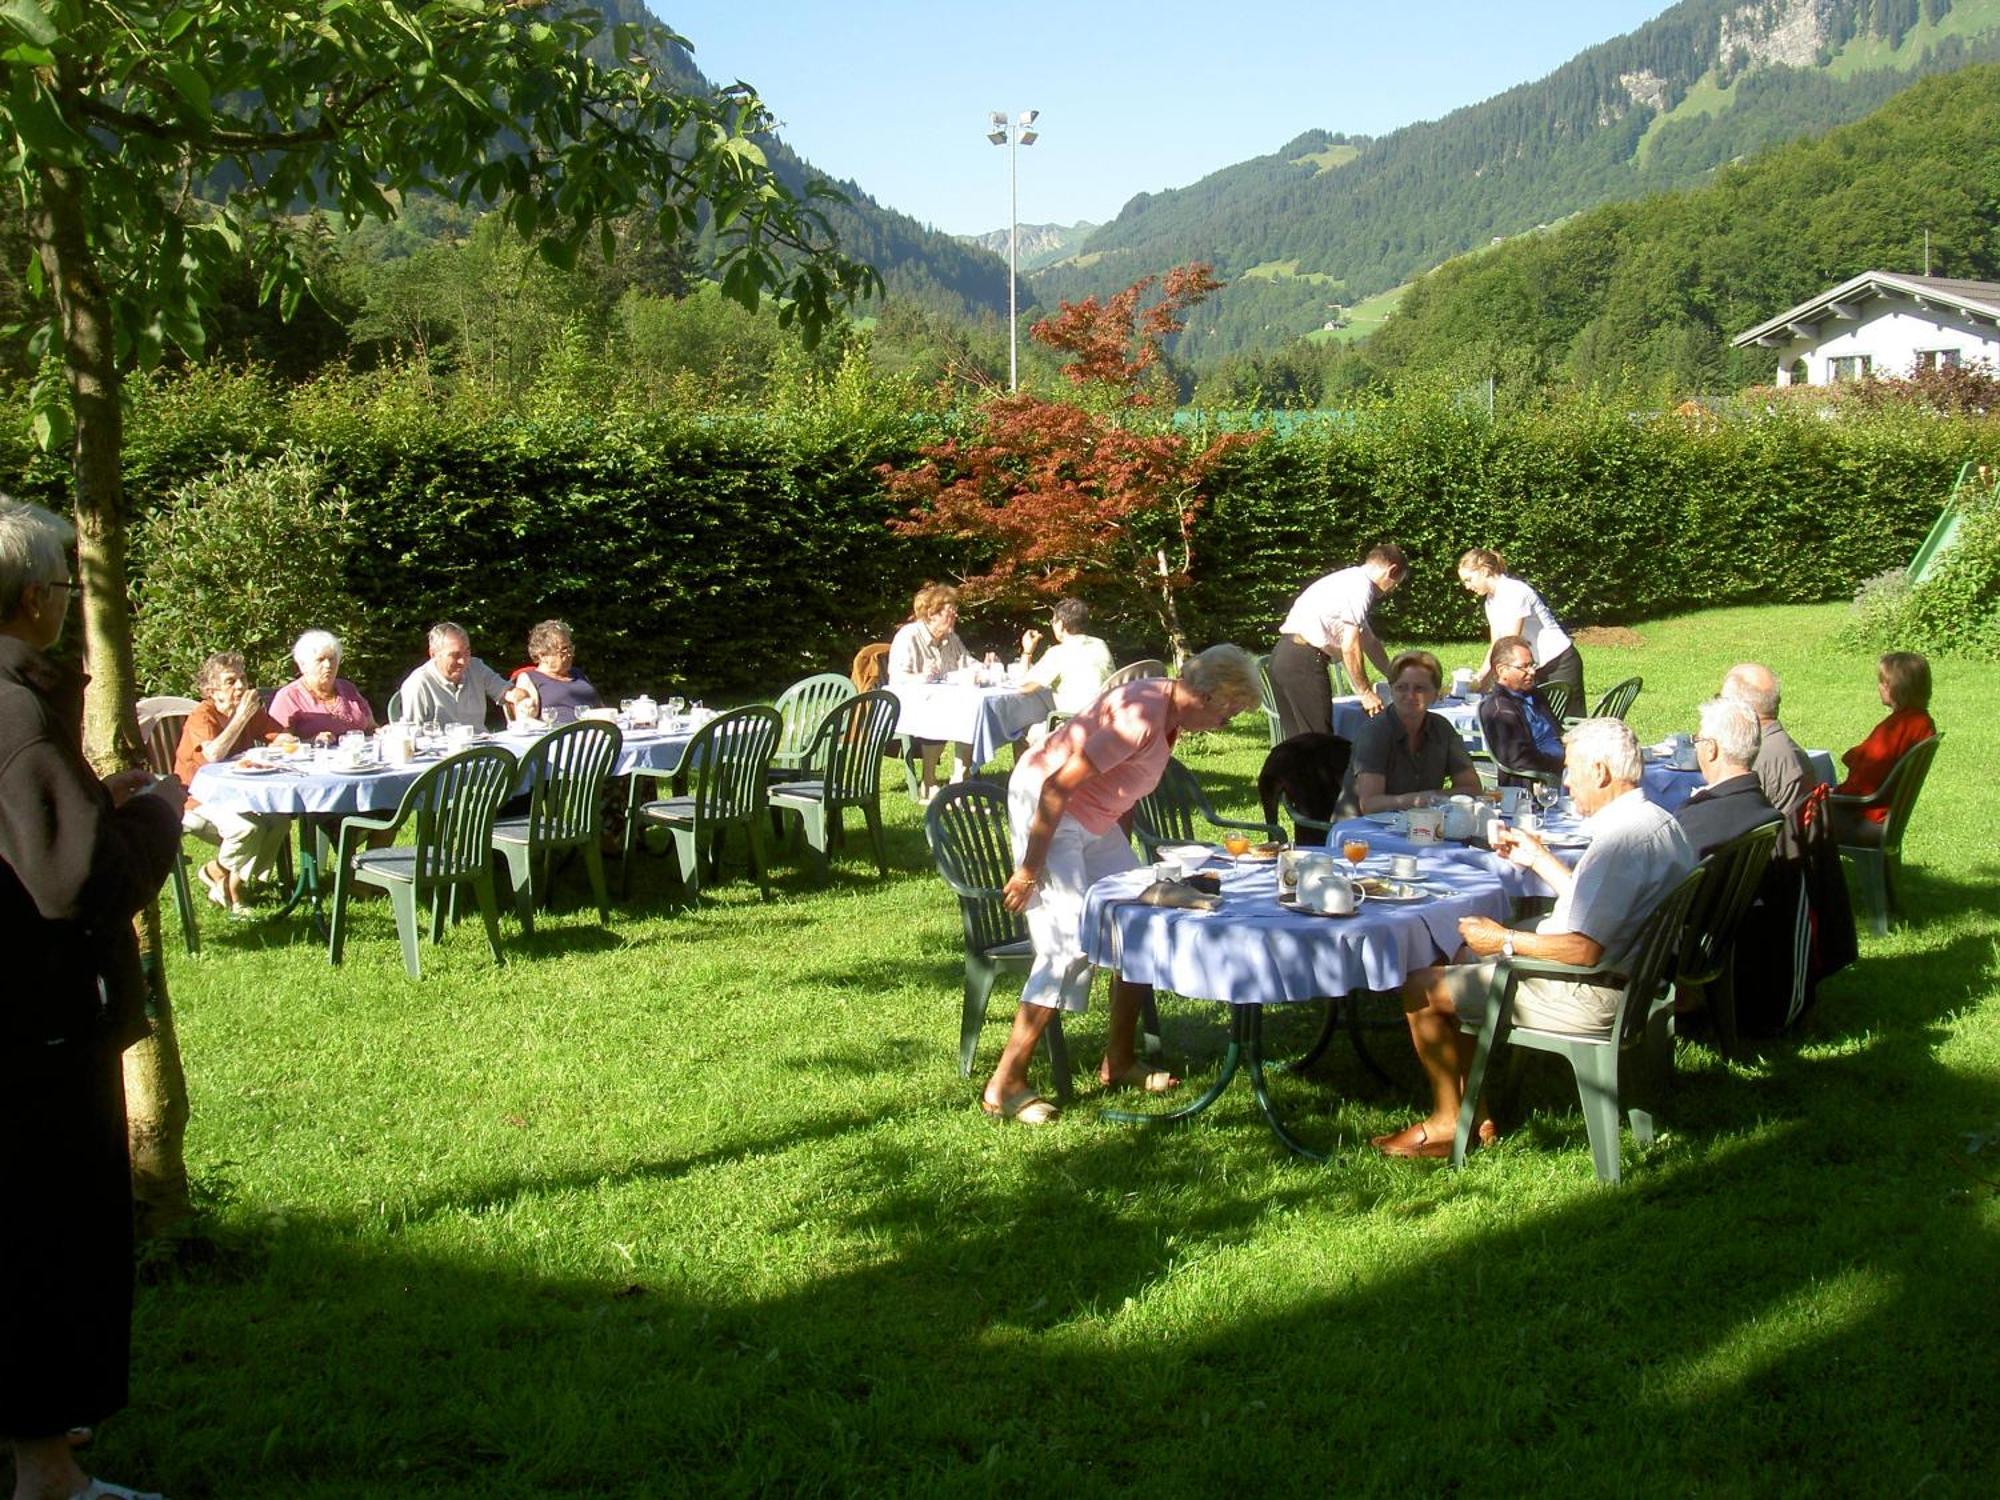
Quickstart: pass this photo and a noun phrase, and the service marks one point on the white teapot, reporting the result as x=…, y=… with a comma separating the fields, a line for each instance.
x=645, y=712
x=1461, y=818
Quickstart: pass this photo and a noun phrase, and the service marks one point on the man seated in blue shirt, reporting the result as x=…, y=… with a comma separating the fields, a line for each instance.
x=1521, y=734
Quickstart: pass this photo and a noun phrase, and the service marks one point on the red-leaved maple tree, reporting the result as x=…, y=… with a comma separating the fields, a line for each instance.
x=1093, y=496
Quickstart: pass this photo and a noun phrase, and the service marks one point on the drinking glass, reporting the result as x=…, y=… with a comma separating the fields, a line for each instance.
x=1547, y=796
x=1356, y=849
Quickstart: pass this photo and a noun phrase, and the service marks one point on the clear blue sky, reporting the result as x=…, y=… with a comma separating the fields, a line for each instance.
x=1135, y=95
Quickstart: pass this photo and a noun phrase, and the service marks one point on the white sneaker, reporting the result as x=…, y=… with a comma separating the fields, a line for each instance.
x=99, y=1489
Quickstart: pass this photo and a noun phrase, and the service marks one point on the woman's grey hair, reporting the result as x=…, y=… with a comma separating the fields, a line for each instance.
x=548, y=636
x=1608, y=743
x=1733, y=728
x=216, y=665
x=34, y=548
x=1223, y=671
x=312, y=645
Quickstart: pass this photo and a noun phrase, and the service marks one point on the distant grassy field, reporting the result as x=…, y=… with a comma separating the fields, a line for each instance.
x=1288, y=270
x=699, y=1204
x=1363, y=318
x=1331, y=158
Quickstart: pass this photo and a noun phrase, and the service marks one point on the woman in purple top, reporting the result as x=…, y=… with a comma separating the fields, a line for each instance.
x=319, y=701
x=558, y=692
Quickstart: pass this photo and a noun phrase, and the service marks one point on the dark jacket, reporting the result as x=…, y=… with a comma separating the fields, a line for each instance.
x=1503, y=720
x=74, y=870
x=1716, y=814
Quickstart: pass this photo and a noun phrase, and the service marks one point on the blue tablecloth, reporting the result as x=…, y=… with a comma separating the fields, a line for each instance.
x=314, y=789
x=984, y=718
x=1256, y=952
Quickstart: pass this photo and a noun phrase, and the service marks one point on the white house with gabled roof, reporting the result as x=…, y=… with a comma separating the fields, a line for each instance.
x=1885, y=324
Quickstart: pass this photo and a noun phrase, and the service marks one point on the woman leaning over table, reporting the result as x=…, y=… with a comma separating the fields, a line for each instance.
x=925, y=650
x=1069, y=804
x=79, y=857
x=229, y=720
x=319, y=701
x=1513, y=608
x=556, y=691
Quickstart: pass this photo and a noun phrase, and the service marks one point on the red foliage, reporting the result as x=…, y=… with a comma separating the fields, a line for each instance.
x=1112, y=343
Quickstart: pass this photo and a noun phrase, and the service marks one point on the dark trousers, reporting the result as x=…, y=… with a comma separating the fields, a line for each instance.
x=1302, y=688
x=66, y=1250
x=1567, y=667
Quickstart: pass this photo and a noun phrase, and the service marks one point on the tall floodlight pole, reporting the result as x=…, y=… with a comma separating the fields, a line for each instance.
x=1020, y=133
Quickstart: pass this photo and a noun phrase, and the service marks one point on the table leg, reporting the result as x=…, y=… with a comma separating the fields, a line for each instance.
x=1246, y=1049
x=1341, y=1008
x=306, y=889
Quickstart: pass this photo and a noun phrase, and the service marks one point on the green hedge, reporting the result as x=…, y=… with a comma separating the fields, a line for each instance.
x=724, y=556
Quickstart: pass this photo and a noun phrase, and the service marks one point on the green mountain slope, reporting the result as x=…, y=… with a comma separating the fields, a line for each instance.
x=1653, y=290
x=1702, y=84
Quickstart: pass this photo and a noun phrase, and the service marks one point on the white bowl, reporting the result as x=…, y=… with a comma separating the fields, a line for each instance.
x=1188, y=857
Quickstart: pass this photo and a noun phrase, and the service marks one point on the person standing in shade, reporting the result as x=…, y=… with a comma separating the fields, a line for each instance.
x=1514, y=609
x=1330, y=622
x=79, y=857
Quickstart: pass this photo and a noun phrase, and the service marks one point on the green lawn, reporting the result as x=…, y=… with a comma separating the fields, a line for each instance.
x=701, y=1205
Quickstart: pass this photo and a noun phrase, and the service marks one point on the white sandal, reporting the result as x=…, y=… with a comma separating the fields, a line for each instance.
x=100, y=1489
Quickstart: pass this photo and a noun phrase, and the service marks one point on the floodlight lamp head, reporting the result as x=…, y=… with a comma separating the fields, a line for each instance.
x=1029, y=116
x=997, y=119
x=997, y=137
x=1029, y=137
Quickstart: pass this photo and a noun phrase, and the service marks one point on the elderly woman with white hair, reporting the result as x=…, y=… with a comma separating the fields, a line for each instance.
x=79, y=857
x=1637, y=855
x=319, y=701
x=1070, y=803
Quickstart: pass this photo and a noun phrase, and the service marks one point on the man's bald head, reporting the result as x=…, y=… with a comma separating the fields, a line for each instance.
x=1755, y=686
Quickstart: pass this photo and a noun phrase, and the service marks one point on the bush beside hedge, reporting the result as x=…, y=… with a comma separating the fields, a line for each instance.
x=725, y=556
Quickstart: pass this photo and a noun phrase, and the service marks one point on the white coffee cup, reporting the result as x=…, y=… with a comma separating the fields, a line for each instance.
x=1403, y=866
x=1288, y=870
x=1322, y=885
x=1426, y=824
x=1529, y=822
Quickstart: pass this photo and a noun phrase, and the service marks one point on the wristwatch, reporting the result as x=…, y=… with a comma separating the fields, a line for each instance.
x=1507, y=946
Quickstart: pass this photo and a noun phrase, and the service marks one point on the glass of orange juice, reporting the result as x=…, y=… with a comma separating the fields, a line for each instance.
x=1238, y=844
x=1355, y=848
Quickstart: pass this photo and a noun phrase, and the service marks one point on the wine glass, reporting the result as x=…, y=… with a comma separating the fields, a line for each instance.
x=1547, y=795
x=1355, y=847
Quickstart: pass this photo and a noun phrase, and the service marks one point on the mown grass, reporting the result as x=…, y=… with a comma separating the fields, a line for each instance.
x=701, y=1204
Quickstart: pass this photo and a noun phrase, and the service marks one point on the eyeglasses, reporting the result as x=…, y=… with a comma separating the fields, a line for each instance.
x=64, y=583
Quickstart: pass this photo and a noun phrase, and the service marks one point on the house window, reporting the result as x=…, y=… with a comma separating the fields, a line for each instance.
x=1848, y=367
x=1937, y=359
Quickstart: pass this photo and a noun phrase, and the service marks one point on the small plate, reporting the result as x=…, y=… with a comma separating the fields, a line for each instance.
x=1396, y=892
x=357, y=770
x=254, y=768
x=1385, y=819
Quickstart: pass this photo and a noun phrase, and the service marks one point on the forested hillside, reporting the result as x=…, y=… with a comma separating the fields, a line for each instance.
x=1700, y=85
x=1653, y=290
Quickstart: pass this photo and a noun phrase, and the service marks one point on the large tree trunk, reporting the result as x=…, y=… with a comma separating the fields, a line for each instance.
x=156, y=1087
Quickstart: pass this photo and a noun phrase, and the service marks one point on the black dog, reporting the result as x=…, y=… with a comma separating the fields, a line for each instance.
x=1307, y=771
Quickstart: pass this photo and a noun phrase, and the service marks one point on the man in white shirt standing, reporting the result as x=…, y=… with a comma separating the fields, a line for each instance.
x=454, y=686
x=1329, y=622
x=1074, y=668
x=1637, y=855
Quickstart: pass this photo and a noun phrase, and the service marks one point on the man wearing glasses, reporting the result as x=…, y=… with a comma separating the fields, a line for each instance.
x=1521, y=734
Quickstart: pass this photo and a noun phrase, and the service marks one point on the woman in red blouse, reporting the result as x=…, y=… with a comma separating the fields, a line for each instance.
x=1904, y=680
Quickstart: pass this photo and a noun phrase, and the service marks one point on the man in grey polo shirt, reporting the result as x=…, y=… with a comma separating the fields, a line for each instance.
x=1637, y=855
x=454, y=686
x=1781, y=767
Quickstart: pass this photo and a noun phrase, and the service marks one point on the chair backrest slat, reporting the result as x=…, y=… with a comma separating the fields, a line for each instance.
x=973, y=847
x=1555, y=698
x=1166, y=814
x=1736, y=870
x=1133, y=671
x=453, y=805
x=566, y=770
x=804, y=704
x=161, y=720
x=1655, y=954
x=1616, y=703
x=1905, y=780
x=850, y=742
x=729, y=758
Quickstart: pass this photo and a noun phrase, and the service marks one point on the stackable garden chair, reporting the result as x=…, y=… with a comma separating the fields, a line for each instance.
x=727, y=767
x=161, y=720
x=1166, y=815
x=804, y=706
x=1616, y=703
x=566, y=770
x=1876, y=849
x=1707, y=962
x=1613, y=1071
x=842, y=768
x=449, y=812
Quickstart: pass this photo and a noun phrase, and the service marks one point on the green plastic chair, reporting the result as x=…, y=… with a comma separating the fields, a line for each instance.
x=1876, y=849
x=565, y=770
x=846, y=756
x=1555, y=698
x=1618, y=702
x=1337, y=674
x=1641, y=1032
x=1151, y=666
x=804, y=707
x=727, y=765
x=1166, y=815
x=393, y=714
x=1707, y=963
x=1267, y=699
x=161, y=720
x=452, y=805
x=966, y=825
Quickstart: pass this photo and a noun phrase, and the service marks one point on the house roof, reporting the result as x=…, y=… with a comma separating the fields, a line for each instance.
x=1979, y=300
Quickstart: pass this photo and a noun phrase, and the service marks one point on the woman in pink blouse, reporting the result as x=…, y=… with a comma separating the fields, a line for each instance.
x=1903, y=678
x=319, y=701
x=1069, y=803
